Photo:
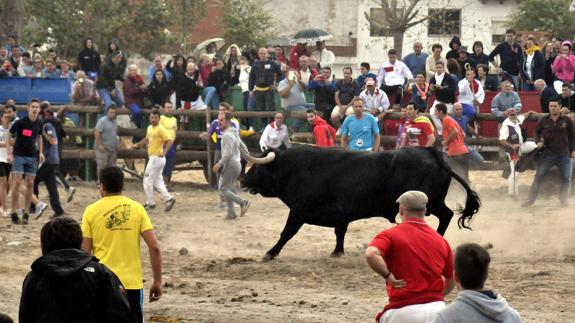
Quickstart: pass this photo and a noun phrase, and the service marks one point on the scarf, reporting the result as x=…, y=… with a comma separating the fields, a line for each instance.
x=439, y=78
x=532, y=50
x=423, y=93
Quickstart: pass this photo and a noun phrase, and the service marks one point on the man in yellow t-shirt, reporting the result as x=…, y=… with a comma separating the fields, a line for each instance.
x=170, y=123
x=111, y=230
x=159, y=142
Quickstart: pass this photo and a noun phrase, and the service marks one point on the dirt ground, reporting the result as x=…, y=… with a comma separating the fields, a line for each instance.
x=221, y=278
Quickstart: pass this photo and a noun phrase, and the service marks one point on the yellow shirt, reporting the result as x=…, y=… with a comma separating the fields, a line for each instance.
x=170, y=123
x=114, y=223
x=157, y=136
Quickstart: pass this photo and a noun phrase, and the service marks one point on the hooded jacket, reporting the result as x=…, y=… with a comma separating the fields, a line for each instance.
x=453, y=53
x=68, y=285
x=478, y=307
x=564, y=67
x=323, y=133
x=124, y=63
x=89, y=58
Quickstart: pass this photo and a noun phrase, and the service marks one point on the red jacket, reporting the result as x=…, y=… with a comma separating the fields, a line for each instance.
x=133, y=93
x=323, y=133
x=295, y=54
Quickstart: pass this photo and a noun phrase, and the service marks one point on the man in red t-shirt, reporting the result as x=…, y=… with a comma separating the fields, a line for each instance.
x=454, y=140
x=416, y=263
x=419, y=130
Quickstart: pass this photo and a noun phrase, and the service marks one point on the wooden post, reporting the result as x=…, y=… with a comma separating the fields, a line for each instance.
x=209, y=149
x=87, y=162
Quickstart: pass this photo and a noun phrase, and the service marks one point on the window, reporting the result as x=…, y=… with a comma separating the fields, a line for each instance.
x=378, y=15
x=498, y=27
x=444, y=22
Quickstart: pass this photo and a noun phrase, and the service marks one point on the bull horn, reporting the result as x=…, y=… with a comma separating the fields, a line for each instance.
x=260, y=161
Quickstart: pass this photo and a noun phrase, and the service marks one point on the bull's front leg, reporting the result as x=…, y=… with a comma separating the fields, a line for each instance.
x=339, y=237
x=291, y=228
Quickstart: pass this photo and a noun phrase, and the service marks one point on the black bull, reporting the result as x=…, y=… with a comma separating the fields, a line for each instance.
x=333, y=187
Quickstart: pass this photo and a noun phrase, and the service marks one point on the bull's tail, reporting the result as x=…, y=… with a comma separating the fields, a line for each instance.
x=472, y=202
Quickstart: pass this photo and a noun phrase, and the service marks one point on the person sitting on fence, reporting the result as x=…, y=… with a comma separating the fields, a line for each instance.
x=275, y=134
x=364, y=75
x=38, y=70
x=218, y=79
x=444, y=86
x=292, y=96
x=159, y=66
x=419, y=92
x=159, y=90
x=25, y=67
x=505, y=100
x=50, y=71
x=106, y=82
x=134, y=90
x=392, y=77
x=66, y=71
x=546, y=93
x=471, y=94
x=84, y=90
x=188, y=90
x=376, y=101
x=345, y=90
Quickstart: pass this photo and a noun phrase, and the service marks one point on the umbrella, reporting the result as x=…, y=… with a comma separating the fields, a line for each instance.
x=201, y=48
x=310, y=36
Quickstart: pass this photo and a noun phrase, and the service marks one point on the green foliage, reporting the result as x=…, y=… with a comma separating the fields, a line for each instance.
x=186, y=14
x=550, y=15
x=64, y=24
x=247, y=23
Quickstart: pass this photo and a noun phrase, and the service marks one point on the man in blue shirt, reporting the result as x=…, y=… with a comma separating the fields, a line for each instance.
x=416, y=60
x=360, y=131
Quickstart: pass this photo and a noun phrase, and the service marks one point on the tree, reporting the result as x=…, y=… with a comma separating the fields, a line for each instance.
x=188, y=13
x=12, y=17
x=247, y=22
x=550, y=15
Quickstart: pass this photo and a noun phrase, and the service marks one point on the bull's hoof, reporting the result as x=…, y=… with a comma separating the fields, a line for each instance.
x=268, y=257
x=336, y=254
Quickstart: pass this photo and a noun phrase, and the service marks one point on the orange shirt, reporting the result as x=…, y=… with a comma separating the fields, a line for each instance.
x=457, y=144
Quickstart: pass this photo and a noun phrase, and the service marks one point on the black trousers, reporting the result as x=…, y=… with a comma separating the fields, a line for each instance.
x=47, y=174
x=396, y=91
x=135, y=298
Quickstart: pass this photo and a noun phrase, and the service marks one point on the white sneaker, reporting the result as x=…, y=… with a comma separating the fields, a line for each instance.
x=40, y=208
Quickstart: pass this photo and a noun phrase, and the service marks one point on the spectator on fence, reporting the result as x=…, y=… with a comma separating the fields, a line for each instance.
x=263, y=77
x=134, y=90
x=444, y=86
x=453, y=139
x=375, y=100
x=276, y=134
x=111, y=229
x=84, y=91
x=420, y=92
x=474, y=303
x=106, y=140
x=360, y=130
x=510, y=55
x=219, y=80
x=324, y=56
x=176, y=65
x=188, y=91
x=415, y=262
x=416, y=61
x=433, y=59
x=11, y=44
x=232, y=60
x=157, y=65
x=89, y=59
x=159, y=143
x=6, y=69
x=454, y=44
x=345, y=90
x=292, y=96
x=106, y=82
x=505, y=99
x=243, y=80
x=478, y=55
x=323, y=133
x=159, y=90
x=169, y=122
x=364, y=74
x=418, y=131
x=16, y=57
x=38, y=70
x=471, y=94
x=533, y=64
x=113, y=49
x=50, y=71
x=555, y=136
x=206, y=66
x=25, y=68
x=392, y=76
x=25, y=156
x=488, y=82
x=549, y=59
x=66, y=283
x=296, y=52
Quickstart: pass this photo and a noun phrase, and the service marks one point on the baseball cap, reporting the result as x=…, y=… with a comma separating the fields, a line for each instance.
x=370, y=82
x=413, y=200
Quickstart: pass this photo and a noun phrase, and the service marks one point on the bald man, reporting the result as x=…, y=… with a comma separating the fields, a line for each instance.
x=416, y=61
x=545, y=92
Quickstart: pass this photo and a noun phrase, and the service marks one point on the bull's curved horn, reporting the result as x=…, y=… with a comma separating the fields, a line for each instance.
x=260, y=161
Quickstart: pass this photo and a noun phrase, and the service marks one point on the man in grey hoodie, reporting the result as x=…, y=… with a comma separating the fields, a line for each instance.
x=474, y=304
x=231, y=167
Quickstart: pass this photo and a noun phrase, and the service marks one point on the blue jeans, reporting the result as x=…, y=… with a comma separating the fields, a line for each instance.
x=475, y=157
x=25, y=165
x=298, y=122
x=170, y=162
x=107, y=98
x=564, y=165
x=211, y=98
x=136, y=114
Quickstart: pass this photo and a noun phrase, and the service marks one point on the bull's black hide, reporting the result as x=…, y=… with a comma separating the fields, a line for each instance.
x=333, y=187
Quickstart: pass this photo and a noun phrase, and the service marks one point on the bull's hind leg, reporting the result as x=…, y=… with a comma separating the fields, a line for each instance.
x=340, y=237
x=444, y=214
x=291, y=228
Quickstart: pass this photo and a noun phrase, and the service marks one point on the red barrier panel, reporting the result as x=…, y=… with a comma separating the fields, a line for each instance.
x=530, y=100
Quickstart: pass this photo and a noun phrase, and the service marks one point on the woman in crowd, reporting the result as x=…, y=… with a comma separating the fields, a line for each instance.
x=89, y=59
x=206, y=67
x=471, y=94
x=419, y=92
x=533, y=64
x=232, y=61
x=160, y=89
x=433, y=59
x=549, y=59
x=244, y=79
x=488, y=83
x=563, y=66
x=218, y=79
x=453, y=69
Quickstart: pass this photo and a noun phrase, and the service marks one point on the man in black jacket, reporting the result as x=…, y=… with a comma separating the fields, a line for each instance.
x=68, y=285
x=264, y=75
x=106, y=82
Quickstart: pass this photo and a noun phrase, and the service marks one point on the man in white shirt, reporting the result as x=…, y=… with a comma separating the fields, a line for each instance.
x=376, y=100
x=325, y=57
x=392, y=76
x=275, y=134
